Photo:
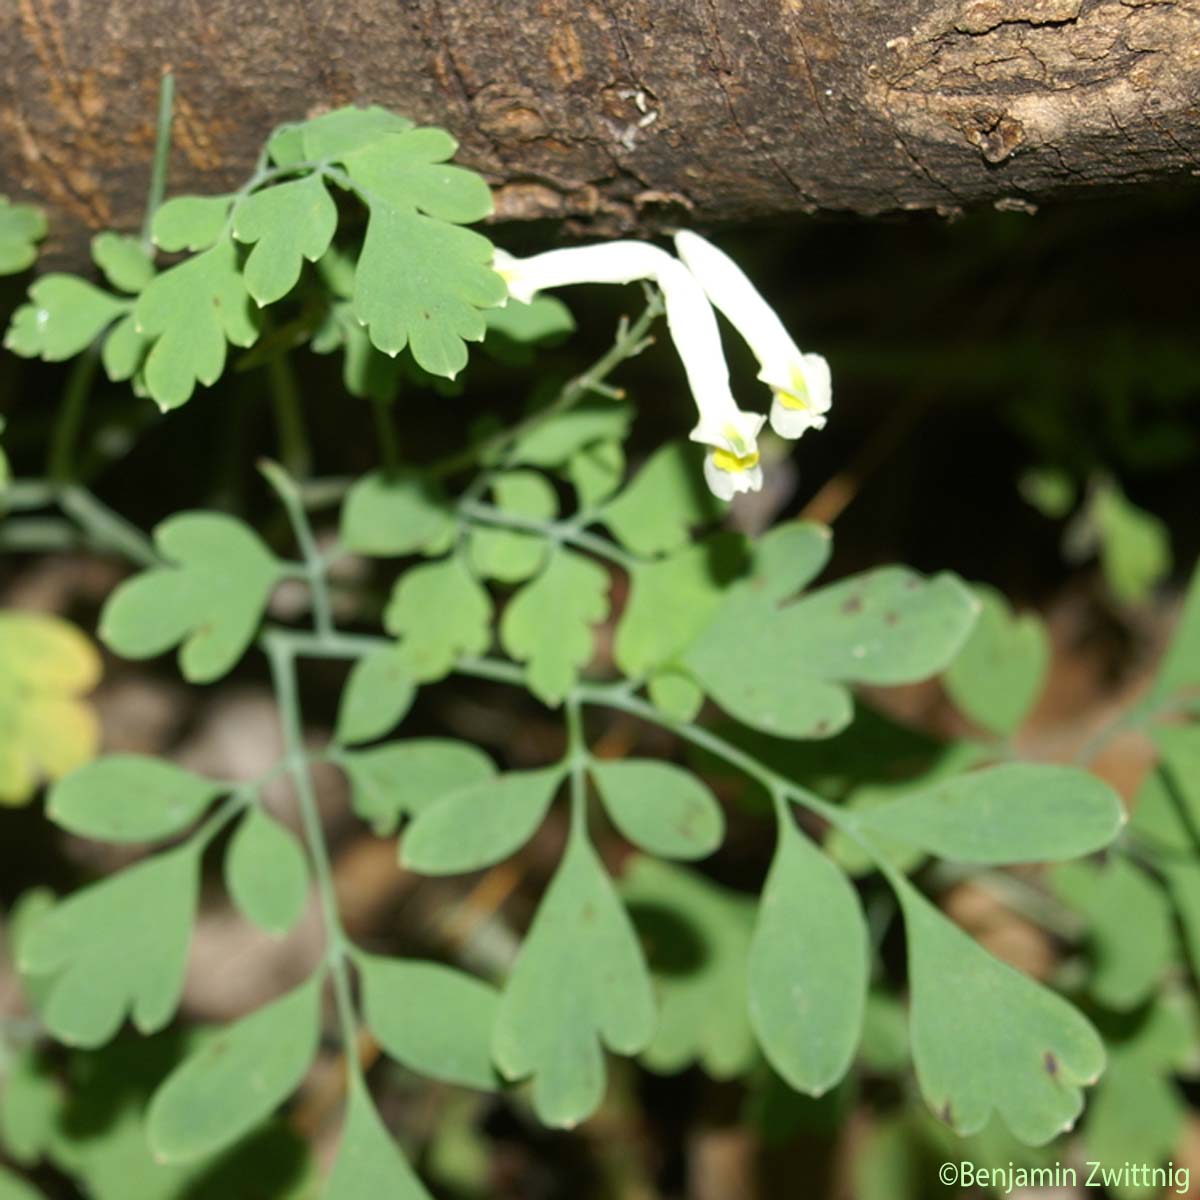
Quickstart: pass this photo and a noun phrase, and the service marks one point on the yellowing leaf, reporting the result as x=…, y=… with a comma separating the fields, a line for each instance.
x=46, y=730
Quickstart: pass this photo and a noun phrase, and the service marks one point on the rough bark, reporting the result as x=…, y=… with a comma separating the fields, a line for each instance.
x=614, y=114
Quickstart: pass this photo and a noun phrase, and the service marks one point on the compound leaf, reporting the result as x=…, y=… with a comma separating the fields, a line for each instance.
x=440, y=613
x=237, y=1078
x=188, y=313
x=596, y=472
x=21, y=228
x=480, y=824
x=435, y=1020
x=335, y=134
x=46, y=730
x=266, y=872
x=697, y=938
x=579, y=981
x=130, y=798
x=368, y=1162
x=286, y=224
x=807, y=969
x=656, y=513
x=120, y=944
x=986, y=1037
x=377, y=695
x=397, y=513
x=548, y=624
x=999, y=672
x=554, y=440
x=404, y=778
x=1015, y=812
x=659, y=807
x=63, y=316
x=211, y=597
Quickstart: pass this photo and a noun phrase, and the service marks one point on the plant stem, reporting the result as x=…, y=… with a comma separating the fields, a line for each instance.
x=162, y=154
x=60, y=465
x=337, y=950
x=107, y=527
x=294, y=448
x=314, y=565
x=577, y=757
x=556, y=531
x=385, y=428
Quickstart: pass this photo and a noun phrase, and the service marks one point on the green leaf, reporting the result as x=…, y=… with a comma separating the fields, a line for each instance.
x=668, y=498
x=366, y=372
x=548, y=624
x=596, y=472
x=1138, y=1114
x=510, y=555
x=987, y=1038
x=64, y=316
x=660, y=807
x=404, y=778
x=514, y=331
x=188, y=313
x=479, y=824
x=130, y=798
x=46, y=730
x=435, y=1020
x=697, y=938
x=334, y=134
x=1180, y=668
x=784, y=670
x=286, y=224
x=1135, y=546
x=1130, y=927
x=190, y=222
x=579, y=981
x=389, y=515
x=675, y=694
x=884, y=1047
x=554, y=440
x=440, y=613
x=266, y=872
x=368, y=1163
x=237, y=1078
x=21, y=228
x=1012, y=813
x=672, y=599
x=377, y=695
x=999, y=672
x=126, y=266
x=808, y=966
x=211, y=598
x=120, y=944
x=29, y=1106
x=421, y=281
x=1052, y=492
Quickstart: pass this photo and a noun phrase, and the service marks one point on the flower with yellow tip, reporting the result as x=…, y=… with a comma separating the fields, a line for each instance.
x=800, y=382
x=731, y=434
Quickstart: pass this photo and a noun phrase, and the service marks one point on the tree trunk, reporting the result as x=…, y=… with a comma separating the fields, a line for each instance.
x=614, y=115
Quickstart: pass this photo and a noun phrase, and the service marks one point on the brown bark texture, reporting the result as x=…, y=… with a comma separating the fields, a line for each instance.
x=618, y=115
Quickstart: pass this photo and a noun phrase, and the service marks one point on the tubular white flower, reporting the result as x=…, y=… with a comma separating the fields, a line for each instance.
x=800, y=382
x=727, y=474
x=690, y=319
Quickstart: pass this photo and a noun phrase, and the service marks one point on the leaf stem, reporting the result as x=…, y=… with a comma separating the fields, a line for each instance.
x=385, y=429
x=556, y=531
x=314, y=565
x=60, y=464
x=162, y=154
x=281, y=656
x=106, y=526
x=295, y=450
x=577, y=758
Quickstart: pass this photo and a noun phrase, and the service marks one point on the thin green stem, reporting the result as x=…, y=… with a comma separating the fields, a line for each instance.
x=314, y=565
x=295, y=450
x=557, y=531
x=385, y=430
x=162, y=154
x=631, y=340
x=337, y=949
x=107, y=527
x=60, y=464
x=577, y=758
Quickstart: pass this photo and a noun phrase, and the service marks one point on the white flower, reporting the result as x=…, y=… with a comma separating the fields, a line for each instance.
x=800, y=382
x=693, y=326
x=727, y=474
